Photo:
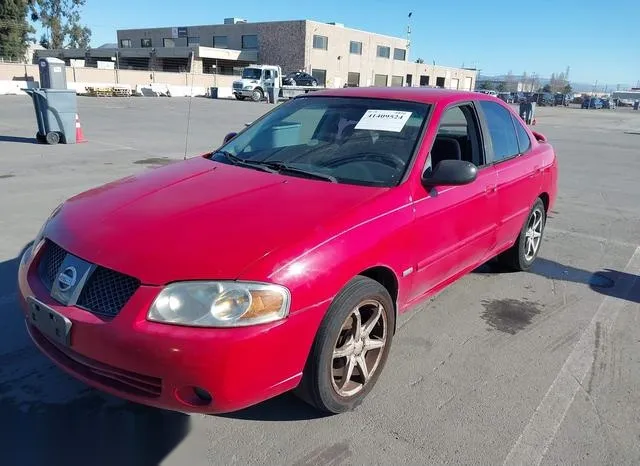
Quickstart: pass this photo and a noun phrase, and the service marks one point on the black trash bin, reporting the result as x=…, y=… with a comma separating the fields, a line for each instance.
x=56, y=111
x=213, y=92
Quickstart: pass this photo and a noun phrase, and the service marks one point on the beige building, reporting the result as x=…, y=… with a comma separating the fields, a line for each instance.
x=334, y=54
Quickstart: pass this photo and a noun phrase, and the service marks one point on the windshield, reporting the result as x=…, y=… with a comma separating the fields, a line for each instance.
x=354, y=140
x=251, y=73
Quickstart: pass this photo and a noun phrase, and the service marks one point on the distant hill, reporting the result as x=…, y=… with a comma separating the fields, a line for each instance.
x=577, y=86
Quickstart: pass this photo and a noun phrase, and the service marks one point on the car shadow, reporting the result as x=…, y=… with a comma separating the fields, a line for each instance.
x=18, y=139
x=286, y=407
x=606, y=281
x=47, y=417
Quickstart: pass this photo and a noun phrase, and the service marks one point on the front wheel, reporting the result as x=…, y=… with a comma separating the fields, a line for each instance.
x=257, y=95
x=239, y=96
x=526, y=248
x=350, y=348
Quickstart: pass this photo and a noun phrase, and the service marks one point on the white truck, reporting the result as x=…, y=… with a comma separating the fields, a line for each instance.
x=256, y=79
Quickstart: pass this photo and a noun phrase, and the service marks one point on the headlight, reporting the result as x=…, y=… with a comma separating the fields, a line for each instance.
x=39, y=239
x=220, y=304
x=247, y=88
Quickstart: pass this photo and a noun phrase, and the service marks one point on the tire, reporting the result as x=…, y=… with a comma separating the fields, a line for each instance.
x=239, y=97
x=327, y=391
x=519, y=256
x=53, y=138
x=257, y=95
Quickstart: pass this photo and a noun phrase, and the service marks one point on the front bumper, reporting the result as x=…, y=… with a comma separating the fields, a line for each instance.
x=160, y=365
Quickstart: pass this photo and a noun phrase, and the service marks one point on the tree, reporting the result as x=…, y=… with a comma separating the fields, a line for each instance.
x=14, y=29
x=485, y=85
x=546, y=88
x=567, y=89
x=501, y=87
x=61, y=21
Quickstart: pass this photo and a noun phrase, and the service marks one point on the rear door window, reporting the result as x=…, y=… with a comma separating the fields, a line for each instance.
x=503, y=135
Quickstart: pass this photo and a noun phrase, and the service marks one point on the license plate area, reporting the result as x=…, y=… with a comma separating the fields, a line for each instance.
x=51, y=323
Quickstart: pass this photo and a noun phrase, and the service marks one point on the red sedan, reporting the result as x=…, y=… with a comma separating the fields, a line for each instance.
x=281, y=260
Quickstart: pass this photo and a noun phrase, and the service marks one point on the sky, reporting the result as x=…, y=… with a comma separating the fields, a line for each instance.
x=599, y=41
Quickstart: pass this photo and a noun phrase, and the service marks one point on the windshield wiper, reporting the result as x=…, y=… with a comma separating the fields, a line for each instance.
x=235, y=160
x=283, y=166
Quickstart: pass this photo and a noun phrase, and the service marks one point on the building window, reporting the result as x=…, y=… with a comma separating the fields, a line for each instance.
x=320, y=75
x=424, y=80
x=380, y=80
x=250, y=42
x=440, y=82
x=383, y=52
x=167, y=43
x=145, y=43
x=353, y=79
x=125, y=43
x=193, y=41
x=320, y=42
x=397, y=81
x=220, y=42
x=355, y=47
x=399, y=54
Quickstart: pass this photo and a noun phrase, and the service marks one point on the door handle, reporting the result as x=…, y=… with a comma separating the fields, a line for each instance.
x=490, y=189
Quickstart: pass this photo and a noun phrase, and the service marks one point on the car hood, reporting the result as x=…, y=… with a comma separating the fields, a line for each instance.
x=197, y=219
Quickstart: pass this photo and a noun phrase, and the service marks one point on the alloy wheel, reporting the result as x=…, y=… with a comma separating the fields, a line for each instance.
x=359, y=348
x=533, y=235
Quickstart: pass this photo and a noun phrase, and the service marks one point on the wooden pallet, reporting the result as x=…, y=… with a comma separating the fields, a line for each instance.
x=121, y=92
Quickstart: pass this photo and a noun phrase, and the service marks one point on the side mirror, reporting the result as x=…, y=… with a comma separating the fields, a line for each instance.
x=451, y=173
x=229, y=137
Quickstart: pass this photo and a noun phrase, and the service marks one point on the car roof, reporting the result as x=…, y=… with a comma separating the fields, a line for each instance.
x=413, y=94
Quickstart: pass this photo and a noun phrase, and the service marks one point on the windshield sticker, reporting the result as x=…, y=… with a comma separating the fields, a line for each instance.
x=383, y=120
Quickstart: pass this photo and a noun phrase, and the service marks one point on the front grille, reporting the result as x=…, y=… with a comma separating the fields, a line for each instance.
x=106, y=291
x=50, y=263
x=119, y=379
x=237, y=86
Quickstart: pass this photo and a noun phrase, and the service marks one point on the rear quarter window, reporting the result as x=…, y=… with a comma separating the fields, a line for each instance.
x=524, y=142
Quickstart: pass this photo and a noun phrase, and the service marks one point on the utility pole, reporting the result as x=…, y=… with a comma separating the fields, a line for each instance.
x=409, y=33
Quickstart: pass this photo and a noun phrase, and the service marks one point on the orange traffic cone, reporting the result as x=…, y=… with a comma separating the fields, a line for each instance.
x=79, y=132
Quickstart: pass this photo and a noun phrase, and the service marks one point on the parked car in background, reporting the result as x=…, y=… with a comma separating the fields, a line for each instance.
x=608, y=104
x=506, y=97
x=543, y=99
x=592, y=102
x=299, y=78
x=281, y=260
x=562, y=99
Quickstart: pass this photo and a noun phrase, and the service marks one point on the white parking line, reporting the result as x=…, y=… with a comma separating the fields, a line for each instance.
x=537, y=436
x=599, y=239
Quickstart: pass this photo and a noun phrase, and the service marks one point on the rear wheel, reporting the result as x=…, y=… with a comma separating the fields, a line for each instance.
x=350, y=349
x=53, y=138
x=526, y=248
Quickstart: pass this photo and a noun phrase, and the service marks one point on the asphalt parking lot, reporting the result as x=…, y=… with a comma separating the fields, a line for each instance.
x=516, y=368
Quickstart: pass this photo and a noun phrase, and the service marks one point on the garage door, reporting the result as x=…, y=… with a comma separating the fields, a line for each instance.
x=467, y=84
x=454, y=83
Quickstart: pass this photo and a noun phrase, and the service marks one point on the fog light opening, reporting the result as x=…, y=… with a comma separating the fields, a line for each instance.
x=194, y=396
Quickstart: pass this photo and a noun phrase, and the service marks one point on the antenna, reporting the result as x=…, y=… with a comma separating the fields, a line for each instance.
x=186, y=138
